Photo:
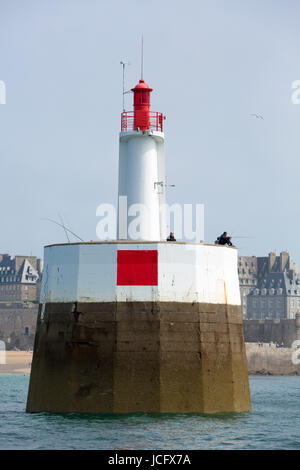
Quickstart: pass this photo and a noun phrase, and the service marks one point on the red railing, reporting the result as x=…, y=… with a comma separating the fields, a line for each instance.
x=155, y=124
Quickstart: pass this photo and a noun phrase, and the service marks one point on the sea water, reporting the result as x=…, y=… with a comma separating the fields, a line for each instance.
x=273, y=423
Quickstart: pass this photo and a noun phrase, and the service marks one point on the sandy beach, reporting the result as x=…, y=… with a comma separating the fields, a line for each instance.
x=272, y=361
x=17, y=362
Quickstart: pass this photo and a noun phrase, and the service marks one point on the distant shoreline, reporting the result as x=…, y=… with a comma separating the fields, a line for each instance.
x=262, y=361
x=269, y=360
x=17, y=362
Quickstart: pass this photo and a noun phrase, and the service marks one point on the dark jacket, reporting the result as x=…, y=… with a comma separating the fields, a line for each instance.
x=222, y=240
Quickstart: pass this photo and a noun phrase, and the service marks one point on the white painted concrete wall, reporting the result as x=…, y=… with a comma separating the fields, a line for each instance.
x=87, y=272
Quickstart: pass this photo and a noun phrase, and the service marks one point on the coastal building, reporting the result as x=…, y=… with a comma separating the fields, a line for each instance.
x=20, y=278
x=276, y=293
x=247, y=270
x=18, y=324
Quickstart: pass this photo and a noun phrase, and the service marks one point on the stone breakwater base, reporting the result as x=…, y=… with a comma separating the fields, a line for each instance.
x=266, y=360
x=153, y=356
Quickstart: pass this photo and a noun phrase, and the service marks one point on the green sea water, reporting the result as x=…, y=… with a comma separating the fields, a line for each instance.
x=273, y=423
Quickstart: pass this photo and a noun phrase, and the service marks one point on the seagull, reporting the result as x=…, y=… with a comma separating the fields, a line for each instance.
x=258, y=116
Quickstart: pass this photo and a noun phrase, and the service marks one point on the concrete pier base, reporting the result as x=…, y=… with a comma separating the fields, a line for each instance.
x=124, y=357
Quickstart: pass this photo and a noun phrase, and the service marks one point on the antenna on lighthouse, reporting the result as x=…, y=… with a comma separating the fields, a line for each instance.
x=124, y=92
x=142, y=57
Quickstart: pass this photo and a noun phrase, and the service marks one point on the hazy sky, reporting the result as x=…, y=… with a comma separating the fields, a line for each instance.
x=211, y=64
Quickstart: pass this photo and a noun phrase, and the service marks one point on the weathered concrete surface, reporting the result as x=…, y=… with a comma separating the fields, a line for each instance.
x=268, y=360
x=139, y=356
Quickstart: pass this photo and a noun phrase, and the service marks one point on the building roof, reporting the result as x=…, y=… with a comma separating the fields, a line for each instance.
x=18, y=269
x=284, y=283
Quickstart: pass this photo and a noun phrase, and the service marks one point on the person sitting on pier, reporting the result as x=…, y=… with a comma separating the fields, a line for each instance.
x=171, y=237
x=223, y=240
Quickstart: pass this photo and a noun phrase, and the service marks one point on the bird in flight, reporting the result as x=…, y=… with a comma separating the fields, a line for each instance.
x=258, y=116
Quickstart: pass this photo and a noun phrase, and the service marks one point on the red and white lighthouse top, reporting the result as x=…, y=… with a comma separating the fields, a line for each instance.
x=141, y=118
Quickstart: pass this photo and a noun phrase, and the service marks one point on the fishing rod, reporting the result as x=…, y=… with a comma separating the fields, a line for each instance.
x=65, y=228
x=66, y=233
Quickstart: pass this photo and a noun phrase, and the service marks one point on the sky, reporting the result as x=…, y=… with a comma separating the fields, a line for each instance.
x=211, y=63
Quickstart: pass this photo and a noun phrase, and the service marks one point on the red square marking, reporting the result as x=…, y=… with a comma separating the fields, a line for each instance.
x=137, y=268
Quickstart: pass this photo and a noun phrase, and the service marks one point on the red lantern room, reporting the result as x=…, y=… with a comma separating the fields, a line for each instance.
x=141, y=105
x=141, y=118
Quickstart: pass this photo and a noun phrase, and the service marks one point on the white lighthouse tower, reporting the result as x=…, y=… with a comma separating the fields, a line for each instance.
x=141, y=171
x=140, y=324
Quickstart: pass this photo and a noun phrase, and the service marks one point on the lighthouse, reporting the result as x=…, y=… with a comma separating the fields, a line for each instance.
x=141, y=170
x=139, y=324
